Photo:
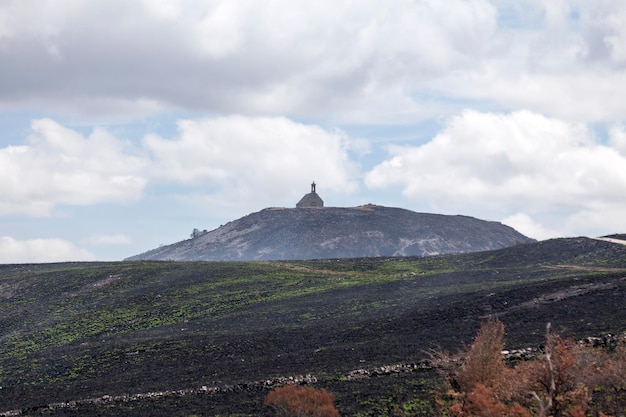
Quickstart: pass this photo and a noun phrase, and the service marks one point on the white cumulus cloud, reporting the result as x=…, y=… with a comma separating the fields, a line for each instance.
x=59, y=165
x=265, y=157
x=497, y=165
x=41, y=250
x=524, y=224
x=234, y=157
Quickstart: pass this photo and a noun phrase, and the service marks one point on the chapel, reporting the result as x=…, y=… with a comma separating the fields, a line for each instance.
x=311, y=199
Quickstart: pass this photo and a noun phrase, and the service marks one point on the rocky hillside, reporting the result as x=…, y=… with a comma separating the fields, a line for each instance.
x=334, y=232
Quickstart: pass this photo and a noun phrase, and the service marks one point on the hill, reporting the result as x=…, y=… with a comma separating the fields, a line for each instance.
x=339, y=232
x=210, y=338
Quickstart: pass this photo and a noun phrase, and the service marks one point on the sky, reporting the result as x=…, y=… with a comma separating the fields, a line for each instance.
x=125, y=124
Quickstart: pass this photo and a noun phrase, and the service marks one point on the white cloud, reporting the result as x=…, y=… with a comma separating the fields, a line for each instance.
x=604, y=31
x=367, y=61
x=164, y=9
x=502, y=164
x=40, y=250
x=568, y=64
x=245, y=57
x=235, y=157
x=61, y=166
x=524, y=224
x=220, y=32
x=261, y=157
x=617, y=138
x=598, y=218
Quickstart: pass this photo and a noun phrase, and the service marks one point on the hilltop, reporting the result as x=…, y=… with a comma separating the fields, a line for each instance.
x=209, y=338
x=317, y=232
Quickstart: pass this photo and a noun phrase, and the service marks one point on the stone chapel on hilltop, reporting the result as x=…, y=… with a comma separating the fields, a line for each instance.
x=311, y=199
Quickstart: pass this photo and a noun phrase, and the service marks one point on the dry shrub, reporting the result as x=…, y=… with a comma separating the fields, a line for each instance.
x=483, y=402
x=584, y=379
x=557, y=383
x=483, y=362
x=293, y=401
x=556, y=380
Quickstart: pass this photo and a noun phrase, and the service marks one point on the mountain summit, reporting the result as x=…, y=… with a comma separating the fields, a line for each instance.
x=312, y=231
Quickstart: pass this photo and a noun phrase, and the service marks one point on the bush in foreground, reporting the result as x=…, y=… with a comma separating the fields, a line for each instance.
x=567, y=379
x=292, y=401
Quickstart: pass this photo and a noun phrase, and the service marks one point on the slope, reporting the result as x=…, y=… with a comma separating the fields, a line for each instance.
x=91, y=330
x=337, y=232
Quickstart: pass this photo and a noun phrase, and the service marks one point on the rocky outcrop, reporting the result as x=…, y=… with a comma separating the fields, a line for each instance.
x=339, y=232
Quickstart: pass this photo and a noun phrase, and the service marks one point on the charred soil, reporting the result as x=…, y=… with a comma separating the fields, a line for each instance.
x=211, y=338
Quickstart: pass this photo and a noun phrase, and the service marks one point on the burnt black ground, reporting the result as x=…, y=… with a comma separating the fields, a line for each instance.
x=579, y=285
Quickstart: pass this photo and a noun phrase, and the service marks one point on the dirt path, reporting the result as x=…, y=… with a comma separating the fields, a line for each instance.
x=611, y=240
x=584, y=268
